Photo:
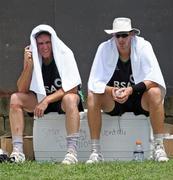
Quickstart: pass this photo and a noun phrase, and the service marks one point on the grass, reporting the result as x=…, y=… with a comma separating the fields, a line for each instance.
x=147, y=170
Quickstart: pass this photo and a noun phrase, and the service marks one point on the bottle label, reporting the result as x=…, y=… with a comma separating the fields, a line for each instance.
x=138, y=155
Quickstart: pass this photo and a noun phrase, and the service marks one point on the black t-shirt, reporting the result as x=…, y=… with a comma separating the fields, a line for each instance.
x=122, y=76
x=51, y=77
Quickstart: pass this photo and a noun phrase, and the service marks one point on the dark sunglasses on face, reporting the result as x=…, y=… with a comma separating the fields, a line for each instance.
x=124, y=35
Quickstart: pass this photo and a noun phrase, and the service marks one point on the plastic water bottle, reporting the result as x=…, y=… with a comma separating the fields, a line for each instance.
x=138, y=153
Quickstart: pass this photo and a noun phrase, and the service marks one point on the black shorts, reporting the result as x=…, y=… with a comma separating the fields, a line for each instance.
x=56, y=107
x=133, y=104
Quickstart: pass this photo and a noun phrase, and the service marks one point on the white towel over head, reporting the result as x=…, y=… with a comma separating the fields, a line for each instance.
x=143, y=60
x=64, y=60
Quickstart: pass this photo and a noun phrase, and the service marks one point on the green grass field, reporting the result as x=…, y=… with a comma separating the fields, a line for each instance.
x=148, y=170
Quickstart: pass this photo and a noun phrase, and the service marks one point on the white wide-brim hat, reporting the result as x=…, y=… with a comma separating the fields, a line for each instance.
x=122, y=24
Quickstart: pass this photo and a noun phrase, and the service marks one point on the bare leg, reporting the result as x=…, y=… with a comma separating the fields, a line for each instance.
x=70, y=106
x=19, y=102
x=152, y=101
x=97, y=102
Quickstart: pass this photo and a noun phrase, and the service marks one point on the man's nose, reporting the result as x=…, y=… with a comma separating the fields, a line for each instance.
x=44, y=46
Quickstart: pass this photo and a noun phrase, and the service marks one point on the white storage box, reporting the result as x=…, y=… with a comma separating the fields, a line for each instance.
x=118, y=137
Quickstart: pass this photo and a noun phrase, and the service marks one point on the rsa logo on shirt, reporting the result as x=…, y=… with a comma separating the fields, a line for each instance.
x=51, y=89
x=124, y=84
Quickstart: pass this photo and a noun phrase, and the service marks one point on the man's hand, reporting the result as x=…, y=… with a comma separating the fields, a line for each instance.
x=28, y=57
x=24, y=80
x=40, y=108
x=121, y=95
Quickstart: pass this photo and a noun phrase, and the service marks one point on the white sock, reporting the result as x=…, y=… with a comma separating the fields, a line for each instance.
x=95, y=145
x=72, y=141
x=17, y=142
x=158, y=138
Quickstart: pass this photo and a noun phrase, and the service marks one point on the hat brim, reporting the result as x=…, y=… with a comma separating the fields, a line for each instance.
x=113, y=31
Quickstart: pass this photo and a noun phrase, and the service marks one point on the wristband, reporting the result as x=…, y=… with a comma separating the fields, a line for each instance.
x=139, y=88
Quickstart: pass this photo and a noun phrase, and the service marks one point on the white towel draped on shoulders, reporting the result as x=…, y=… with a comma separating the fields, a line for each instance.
x=144, y=64
x=64, y=60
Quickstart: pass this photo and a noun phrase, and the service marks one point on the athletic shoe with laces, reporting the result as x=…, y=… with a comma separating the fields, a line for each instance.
x=159, y=153
x=70, y=158
x=17, y=157
x=95, y=158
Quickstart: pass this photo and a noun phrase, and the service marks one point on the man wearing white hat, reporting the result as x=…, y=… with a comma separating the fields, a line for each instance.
x=125, y=77
x=48, y=83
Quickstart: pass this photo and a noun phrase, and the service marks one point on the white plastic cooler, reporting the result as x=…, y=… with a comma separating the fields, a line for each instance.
x=118, y=137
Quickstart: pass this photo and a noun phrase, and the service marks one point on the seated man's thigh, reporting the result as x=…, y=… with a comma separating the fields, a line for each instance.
x=152, y=97
x=107, y=102
x=27, y=101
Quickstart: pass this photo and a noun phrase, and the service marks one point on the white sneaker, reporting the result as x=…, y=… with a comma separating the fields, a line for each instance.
x=3, y=156
x=159, y=153
x=17, y=157
x=70, y=159
x=95, y=158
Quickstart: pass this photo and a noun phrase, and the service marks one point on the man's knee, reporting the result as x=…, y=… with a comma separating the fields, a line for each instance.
x=15, y=101
x=154, y=95
x=155, y=92
x=98, y=100
x=70, y=101
x=92, y=100
x=15, y=98
x=90, y=97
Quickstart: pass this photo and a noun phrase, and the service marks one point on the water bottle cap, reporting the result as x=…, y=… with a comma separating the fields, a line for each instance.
x=138, y=141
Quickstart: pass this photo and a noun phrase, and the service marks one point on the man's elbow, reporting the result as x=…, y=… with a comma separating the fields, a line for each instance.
x=23, y=89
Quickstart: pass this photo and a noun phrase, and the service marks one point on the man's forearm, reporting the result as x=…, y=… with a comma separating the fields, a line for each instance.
x=58, y=95
x=24, y=80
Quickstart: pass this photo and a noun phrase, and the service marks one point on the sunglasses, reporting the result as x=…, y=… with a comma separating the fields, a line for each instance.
x=124, y=35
